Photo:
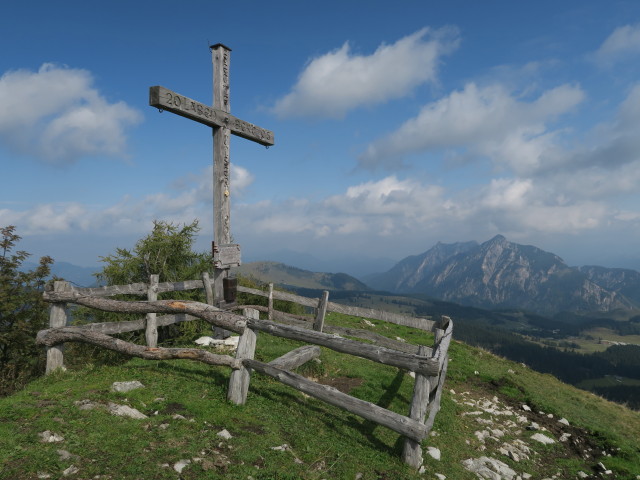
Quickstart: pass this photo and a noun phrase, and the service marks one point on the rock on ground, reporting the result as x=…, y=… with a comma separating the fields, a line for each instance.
x=124, y=387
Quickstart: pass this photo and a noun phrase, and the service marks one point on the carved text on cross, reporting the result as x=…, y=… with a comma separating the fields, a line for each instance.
x=223, y=123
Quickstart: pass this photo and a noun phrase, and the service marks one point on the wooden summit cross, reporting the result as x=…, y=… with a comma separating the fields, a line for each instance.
x=225, y=254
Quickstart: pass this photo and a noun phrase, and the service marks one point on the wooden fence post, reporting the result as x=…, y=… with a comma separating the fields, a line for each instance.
x=239, y=381
x=270, y=304
x=218, y=333
x=321, y=311
x=151, y=332
x=412, y=452
x=57, y=318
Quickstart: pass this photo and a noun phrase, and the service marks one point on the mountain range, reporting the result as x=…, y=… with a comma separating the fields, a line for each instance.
x=502, y=274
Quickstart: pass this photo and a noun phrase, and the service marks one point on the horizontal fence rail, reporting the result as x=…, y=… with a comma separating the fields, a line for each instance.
x=428, y=363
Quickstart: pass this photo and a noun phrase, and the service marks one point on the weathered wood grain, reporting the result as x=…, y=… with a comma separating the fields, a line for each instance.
x=321, y=311
x=55, y=336
x=297, y=357
x=434, y=406
x=412, y=452
x=396, y=318
x=165, y=99
x=240, y=378
x=277, y=295
x=151, y=331
x=213, y=315
x=396, y=422
x=57, y=319
x=414, y=363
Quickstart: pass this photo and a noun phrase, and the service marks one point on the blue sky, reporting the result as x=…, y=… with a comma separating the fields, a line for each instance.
x=397, y=125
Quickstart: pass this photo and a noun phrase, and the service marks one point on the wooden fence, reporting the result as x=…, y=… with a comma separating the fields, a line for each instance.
x=428, y=363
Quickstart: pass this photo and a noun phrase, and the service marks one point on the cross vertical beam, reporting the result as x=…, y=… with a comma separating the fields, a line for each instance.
x=222, y=123
x=220, y=56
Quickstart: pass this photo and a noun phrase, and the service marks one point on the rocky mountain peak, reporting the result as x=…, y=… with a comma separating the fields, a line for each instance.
x=504, y=274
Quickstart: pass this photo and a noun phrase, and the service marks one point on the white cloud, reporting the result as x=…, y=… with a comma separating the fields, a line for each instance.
x=483, y=121
x=339, y=81
x=186, y=199
x=56, y=115
x=623, y=42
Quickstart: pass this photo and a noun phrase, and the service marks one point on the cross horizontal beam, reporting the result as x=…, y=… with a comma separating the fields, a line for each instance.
x=165, y=99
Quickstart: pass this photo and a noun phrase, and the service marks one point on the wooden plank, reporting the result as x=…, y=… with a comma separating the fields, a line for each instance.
x=55, y=336
x=151, y=331
x=396, y=318
x=412, y=452
x=396, y=422
x=297, y=357
x=165, y=99
x=111, y=328
x=57, y=319
x=226, y=256
x=220, y=58
x=277, y=295
x=270, y=302
x=321, y=312
x=210, y=314
x=376, y=339
x=138, y=288
x=414, y=363
x=434, y=406
x=440, y=353
x=239, y=381
x=206, y=282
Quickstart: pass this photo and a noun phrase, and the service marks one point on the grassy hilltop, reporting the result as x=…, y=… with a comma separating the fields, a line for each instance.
x=282, y=434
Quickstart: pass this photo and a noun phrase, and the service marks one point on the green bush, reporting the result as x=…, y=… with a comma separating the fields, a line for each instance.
x=22, y=314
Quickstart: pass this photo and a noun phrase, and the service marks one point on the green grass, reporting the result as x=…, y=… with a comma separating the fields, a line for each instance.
x=324, y=442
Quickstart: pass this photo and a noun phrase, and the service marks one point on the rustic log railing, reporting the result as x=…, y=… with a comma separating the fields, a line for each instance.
x=428, y=364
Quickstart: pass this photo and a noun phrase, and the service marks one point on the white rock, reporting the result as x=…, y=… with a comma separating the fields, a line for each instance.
x=564, y=437
x=227, y=342
x=526, y=408
x=533, y=426
x=224, y=434
x=539, y=437
x=125, y=411
x=86, y=404
x=421, y=470
x=564, y=421
x=179, y=466
x=177, y=416
x=123, y=387
x=489, y=468
x=50, y=437
x=282, y=448
x=72, y=470
x=440, y=476
x=43, y=475
x=581, y=474
x=400, y=339
x=476, y=372
x=368, y=323
x=452, y=392
x=434, y=452
x=510, y=371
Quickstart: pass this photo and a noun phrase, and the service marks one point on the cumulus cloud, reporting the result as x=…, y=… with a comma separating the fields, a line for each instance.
x=486, y=121
x=57, y=116
x=622, y=43
x=185, y=199
x=339, y=81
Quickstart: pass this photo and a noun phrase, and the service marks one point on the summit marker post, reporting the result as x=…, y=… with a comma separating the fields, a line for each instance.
x=223, y=124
